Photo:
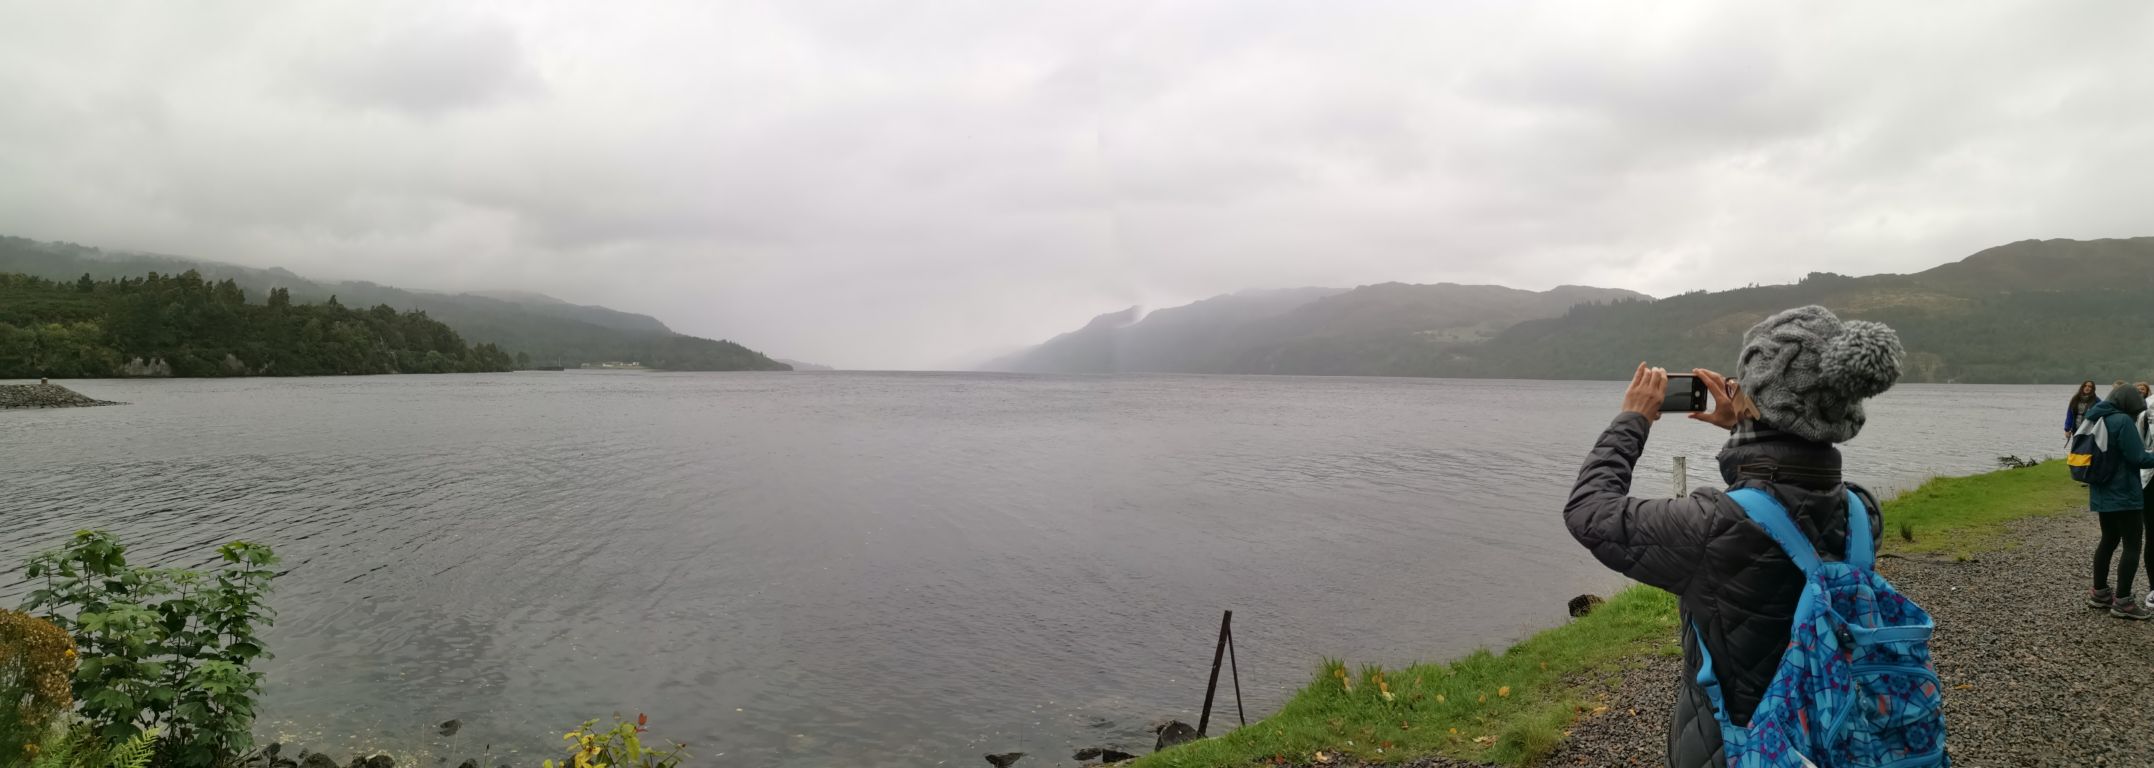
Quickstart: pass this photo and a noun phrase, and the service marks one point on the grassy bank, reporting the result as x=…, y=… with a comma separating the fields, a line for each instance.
x=1512, y=707
x=1964, y=515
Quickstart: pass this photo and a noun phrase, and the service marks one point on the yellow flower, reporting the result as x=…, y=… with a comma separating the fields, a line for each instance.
x=1439, y=698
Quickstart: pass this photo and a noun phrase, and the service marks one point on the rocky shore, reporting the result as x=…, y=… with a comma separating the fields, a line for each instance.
x=44, y=396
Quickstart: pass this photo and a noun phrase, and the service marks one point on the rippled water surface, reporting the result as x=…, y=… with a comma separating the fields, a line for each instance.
x=866, y=569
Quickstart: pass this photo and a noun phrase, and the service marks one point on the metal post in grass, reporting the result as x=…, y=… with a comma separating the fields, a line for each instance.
x=1236, y=669
x=1682, y=476
x=1219, y=654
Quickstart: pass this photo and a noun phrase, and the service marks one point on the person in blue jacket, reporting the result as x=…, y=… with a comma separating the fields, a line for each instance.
x=2120, y=502
x=2082, y=400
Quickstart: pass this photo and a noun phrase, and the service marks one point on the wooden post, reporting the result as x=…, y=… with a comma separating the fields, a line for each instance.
x=1682, y=476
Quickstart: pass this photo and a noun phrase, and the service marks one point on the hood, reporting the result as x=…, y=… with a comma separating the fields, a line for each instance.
x=2102, y=409
x=2125, y=399
x=1756, y=450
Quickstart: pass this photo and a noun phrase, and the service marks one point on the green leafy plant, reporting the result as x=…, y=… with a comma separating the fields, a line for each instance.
x=161, y=647
x=617, y=747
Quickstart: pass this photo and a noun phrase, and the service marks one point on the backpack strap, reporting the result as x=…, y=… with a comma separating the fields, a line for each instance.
x=1771, y=515
x=1710, y=681
x=1861, y=552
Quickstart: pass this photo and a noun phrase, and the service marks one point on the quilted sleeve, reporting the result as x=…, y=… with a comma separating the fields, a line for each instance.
x=1655, y=541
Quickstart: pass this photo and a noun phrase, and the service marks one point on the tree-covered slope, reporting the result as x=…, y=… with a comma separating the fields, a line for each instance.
x=2050, y=311
x=1370, y=330
x=543, y=329
x=185, y=326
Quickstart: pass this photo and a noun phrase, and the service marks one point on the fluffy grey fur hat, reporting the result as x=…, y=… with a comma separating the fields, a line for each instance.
x=1809, y=372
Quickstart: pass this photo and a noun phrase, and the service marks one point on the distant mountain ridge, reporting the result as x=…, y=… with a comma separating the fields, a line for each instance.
x=546, y=329
x=2034, y=311
x=1295, y=331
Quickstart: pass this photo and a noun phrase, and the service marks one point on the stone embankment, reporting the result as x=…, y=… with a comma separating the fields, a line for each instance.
x=44, y=396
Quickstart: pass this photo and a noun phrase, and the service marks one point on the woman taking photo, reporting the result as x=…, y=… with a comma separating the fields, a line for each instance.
x=1803, y=378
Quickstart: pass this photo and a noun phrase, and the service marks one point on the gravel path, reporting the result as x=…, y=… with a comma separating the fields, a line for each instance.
x=2033, y=677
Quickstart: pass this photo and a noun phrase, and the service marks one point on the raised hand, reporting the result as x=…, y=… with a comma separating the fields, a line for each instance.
x=1724, y=413
x=1648, y=387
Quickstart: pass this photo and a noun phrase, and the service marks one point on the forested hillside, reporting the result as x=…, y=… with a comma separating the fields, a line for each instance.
x=2054, y=311
x=546, y=330
x=2049, y=311
x=1370, y=330
x=186, y=326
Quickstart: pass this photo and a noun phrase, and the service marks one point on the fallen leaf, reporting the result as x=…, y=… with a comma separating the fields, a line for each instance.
x=1504, y=691
x=1323, y=758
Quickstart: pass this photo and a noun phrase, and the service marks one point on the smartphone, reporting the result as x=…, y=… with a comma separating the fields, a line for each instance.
x=1686, y=394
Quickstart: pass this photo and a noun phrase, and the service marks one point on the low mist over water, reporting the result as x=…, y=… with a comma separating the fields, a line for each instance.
x=868, y=569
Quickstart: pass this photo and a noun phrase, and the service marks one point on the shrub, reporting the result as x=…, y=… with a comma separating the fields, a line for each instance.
x=37, y=668
x=166, y=648
x=618, y=747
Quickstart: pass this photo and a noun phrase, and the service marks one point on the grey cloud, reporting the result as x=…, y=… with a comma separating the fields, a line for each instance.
x=424, y=66
x=892, y=184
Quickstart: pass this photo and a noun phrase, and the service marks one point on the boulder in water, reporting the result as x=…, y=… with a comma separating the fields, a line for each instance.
x=1174, y=732
x=1004, y=760
x=1103, y=754
x=451, y=727
x=317, y=760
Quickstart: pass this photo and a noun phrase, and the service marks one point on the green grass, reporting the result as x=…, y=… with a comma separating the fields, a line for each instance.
x=1507, y=707
x=1512, y=708
x=1963, y=515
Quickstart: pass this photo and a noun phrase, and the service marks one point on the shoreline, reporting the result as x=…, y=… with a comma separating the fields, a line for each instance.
x=1596, y=691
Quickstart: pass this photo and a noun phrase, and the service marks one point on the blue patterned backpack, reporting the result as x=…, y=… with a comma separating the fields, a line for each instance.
x=1855, y=686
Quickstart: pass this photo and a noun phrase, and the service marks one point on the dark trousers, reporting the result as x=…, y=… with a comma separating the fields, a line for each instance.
x=2126, y=527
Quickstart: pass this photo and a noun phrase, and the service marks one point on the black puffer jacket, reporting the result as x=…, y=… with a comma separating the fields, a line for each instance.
x=1734, y=583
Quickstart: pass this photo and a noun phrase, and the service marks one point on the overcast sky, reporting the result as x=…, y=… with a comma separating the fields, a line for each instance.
x=922, y=183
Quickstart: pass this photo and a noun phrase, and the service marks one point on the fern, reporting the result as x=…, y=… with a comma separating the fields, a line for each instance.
x=136, y=753
x=58, y=750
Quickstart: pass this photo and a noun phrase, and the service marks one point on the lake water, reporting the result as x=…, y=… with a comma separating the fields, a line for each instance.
x=867, y=569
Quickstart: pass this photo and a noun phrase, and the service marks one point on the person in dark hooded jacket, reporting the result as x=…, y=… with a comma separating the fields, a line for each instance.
x=2120, y=502
x=1803, y=377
